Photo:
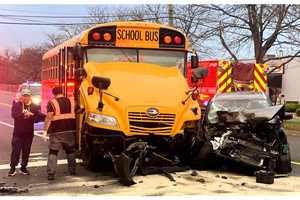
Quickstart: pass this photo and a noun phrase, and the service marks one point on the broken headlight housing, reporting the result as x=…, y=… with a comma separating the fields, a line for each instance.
x=103, y=120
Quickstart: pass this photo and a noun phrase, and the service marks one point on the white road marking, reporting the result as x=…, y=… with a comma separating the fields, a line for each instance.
x=35, y=154
x=40, y=163
x=295, y=163
x=6, y=124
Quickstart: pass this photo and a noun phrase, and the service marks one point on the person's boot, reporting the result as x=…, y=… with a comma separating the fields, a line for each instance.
x=50, y=177
x=24, y=171
x=51, y=164
x=71, y=163
x=12, y=171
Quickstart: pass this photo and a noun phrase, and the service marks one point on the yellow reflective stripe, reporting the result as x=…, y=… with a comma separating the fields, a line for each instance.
x=263, y=84
x=225, y=79
x=225, y=66
x=259, y=67
x=56, y=106
x=58, y=115
x=256, y=86
x=258, y=78
x=222, y=88
x=63, y=116
x=220, y=80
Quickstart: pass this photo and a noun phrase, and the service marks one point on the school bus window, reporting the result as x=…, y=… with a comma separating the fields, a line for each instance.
x=111, y=55
x=163, y=58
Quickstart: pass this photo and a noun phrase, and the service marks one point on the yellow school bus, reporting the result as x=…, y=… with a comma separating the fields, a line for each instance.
x=128, y=81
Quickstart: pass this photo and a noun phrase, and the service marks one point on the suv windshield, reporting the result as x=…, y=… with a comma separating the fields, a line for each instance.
x=160, y=57
x=235, y=105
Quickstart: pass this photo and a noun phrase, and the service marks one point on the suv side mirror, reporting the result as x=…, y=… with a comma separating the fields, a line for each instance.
x=77, y=52
x=199, y=73
x=287, y=116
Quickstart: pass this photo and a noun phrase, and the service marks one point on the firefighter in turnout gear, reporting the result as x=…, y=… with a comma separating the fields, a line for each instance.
x=60, y=126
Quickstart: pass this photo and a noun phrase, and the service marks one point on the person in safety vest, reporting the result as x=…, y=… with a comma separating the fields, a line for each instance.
x=25, y=114
x=60, y=126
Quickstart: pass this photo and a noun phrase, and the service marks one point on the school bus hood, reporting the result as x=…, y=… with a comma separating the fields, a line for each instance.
x=142, y=84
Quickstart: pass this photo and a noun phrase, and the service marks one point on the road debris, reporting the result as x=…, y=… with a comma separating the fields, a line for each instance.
x=168, y=175
x=194, y=173
x=201, y=180
x=224, y=177
x=263, y=176
x=12, y=190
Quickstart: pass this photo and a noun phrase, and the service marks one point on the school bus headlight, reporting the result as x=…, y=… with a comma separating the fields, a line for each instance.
x=103, y=120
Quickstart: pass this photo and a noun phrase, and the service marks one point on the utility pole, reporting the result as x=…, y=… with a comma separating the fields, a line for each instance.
x=171, y=13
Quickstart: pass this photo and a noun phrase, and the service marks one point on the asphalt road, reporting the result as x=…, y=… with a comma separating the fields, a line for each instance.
x=38, y=159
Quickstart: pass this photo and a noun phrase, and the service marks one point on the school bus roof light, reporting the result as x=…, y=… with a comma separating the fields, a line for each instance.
x=96, y=36
x=177, y=40
x=167, y=39
x=107, y=36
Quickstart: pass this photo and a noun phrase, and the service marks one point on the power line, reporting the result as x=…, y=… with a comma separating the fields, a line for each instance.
x=46, y=24
x=77, y=17
x=70, y=24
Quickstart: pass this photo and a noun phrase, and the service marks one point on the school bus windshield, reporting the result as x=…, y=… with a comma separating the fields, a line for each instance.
x=160, y=57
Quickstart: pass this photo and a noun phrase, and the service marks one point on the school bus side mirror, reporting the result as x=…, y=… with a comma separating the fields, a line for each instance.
x=199, y=73
x=194, y=60
x=102, y=83
x=77, y=52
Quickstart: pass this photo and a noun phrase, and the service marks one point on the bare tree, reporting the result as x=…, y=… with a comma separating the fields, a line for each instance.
x=215, y=30
x=261, y=29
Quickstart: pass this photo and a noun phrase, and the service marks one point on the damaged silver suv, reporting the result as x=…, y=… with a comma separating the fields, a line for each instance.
x=245, y=127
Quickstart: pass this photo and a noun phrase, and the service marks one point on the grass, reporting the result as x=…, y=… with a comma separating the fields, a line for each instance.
x=293, y=124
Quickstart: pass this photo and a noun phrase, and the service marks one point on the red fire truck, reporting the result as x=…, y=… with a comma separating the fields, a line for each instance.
x=224, y=76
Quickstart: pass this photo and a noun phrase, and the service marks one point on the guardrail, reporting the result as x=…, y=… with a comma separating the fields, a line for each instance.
x=8, y=87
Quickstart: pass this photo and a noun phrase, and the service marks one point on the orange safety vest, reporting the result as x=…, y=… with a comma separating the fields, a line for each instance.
x=60, y=116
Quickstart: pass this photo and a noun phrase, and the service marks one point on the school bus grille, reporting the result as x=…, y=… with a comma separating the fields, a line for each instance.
x=140, y=122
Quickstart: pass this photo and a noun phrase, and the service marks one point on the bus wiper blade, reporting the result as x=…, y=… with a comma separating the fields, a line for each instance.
x=189, y=93
x=116, y=98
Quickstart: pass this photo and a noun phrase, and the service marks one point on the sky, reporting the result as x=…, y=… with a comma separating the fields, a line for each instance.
x=17, y=36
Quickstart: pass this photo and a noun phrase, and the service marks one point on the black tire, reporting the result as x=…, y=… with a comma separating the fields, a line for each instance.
x=283, y=163
x=202, y=157
x=89, y=157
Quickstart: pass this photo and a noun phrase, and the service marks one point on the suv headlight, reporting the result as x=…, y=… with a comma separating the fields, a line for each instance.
x=103, y=120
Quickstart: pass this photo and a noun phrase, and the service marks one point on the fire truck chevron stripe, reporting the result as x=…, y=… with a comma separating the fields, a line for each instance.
x=225, y=81
x=223, y=77
x=260, y=78
x=220, y=74
x=259, y=85
x=259, y=67
x=261, y=75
